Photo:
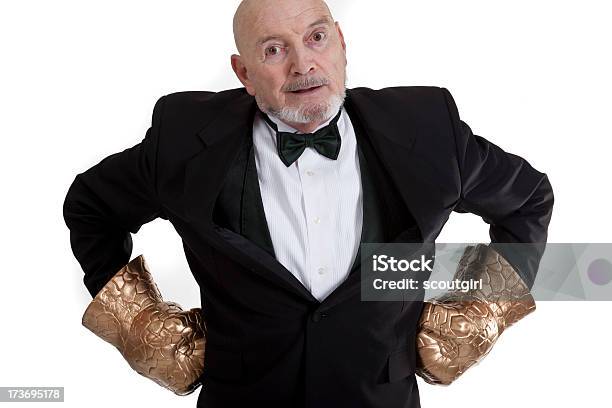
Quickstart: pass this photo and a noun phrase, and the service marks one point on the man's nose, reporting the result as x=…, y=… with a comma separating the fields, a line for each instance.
x=302, y=62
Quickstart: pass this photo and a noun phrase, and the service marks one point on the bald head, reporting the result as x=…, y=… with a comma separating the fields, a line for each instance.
x=251, y=13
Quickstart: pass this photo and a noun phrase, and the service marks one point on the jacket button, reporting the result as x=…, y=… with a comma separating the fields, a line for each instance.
x=317, y=316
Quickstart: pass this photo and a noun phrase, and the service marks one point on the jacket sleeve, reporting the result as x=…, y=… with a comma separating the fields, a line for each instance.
x=510, y=195
x=109, y=201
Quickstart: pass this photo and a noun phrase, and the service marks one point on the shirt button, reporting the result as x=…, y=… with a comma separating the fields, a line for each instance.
x=310, y=173
x=317, y=220
x=321, y=271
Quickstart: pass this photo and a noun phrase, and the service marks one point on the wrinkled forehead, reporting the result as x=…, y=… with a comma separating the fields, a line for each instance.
x=277, y=20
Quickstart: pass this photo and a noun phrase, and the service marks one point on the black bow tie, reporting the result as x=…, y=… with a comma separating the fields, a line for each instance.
x=290, y=146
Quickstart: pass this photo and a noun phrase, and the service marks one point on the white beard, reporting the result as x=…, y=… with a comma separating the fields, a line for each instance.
x=306, y=113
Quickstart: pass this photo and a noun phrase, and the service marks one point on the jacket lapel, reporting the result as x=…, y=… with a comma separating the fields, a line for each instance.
x=205, y=175
x=393, y=135
x=206, y=171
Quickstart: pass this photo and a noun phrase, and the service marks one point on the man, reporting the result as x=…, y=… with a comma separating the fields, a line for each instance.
x=272, y=221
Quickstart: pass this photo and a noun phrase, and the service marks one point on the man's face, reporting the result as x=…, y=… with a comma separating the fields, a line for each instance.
x=293, y=59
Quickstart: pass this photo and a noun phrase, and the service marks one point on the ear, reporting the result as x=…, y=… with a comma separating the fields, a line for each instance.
x=341, y=36
x=241, y=72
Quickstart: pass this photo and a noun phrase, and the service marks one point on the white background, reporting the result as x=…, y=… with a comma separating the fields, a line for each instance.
x=79, y=80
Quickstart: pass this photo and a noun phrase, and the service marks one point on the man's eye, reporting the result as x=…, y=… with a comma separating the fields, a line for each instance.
x=274, y=50
x=319, y=36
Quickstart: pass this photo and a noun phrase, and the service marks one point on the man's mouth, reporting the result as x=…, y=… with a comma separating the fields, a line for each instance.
x=307, y=90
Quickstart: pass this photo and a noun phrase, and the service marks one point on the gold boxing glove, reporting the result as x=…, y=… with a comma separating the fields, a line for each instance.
x=158, y=339
x=458, y=329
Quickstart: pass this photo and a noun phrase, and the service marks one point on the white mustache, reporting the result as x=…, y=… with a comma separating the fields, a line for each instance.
x=306, y=83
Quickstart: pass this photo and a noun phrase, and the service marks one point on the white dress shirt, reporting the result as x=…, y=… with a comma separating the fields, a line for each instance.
x=314, y=208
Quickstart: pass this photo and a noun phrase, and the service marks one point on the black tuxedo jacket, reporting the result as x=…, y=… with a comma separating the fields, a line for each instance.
x=269, y=341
